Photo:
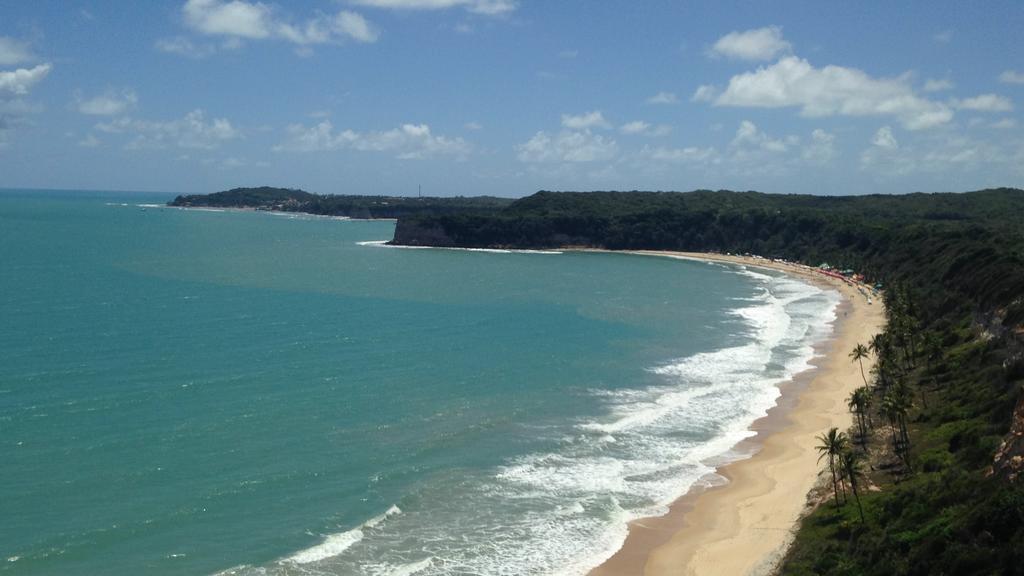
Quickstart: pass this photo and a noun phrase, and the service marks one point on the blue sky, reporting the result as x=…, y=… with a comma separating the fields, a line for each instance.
x=507, y=97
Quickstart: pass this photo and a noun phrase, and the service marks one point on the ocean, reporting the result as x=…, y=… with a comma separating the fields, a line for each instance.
x=226, y=392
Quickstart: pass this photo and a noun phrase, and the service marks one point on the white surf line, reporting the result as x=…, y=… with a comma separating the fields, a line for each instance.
x=334, y=545
x=384, y=244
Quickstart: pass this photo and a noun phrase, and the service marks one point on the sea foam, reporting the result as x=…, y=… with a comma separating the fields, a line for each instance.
x=384, y=244
x=335, y=544
x=565, y=510
x=715, y=395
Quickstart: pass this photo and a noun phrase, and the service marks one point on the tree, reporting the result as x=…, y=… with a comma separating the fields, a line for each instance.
x=879, y=344
x=832, y=444
x=853, y=466
x=895, y=405
x=859, y=403
x=860, y=352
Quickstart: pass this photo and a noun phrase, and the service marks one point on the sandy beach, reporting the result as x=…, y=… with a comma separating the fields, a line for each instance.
x=743, y=525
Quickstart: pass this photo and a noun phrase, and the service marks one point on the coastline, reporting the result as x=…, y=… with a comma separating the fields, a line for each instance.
x=272, y=212
x=743, y=520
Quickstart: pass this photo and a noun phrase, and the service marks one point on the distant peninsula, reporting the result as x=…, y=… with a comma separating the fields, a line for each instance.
x=342, y=205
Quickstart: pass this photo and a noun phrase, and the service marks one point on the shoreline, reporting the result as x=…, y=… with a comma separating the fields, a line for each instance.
x=766, y=493
x=256, y=210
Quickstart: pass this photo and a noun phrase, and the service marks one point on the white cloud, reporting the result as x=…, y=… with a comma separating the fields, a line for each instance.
x=487, y=7
x=232, y=18
x=937, y=85
x=639, y=127
x=89, y=141
x=13, y=52
x=1004, y=124
x=355, y=26
x=635, y=127
x=663, y=98
x=109, y=103
x=985, y=103
x=940, y=154
x=21, y=80
x=686, y=155
x=409, y=141
x=5, y=130
x=752, y=152
x=821, y=148
x=760, y=44
x=568, y=54
x=585, y=121
x=14, y=115
x=1012, y=77
x=832, y=90
x=324, y=29
x=749, y=135
x=943, y=37
x=473, y=126
x=884, y=139
x=184, y=47
x=567, y=147
x=238, y=20
x=704, y=93
x=191, y=131
x=14, y=109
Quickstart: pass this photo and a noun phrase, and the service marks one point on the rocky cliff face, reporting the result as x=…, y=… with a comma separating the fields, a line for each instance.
x=1009, y=459
x=410, y=232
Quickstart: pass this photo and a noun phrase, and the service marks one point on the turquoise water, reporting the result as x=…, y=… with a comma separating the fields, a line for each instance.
x=193, y=392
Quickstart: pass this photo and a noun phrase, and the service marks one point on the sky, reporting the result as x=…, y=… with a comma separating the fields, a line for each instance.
x=507, y=97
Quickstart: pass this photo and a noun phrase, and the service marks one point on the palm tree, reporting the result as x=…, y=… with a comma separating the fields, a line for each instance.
x=905, y=327
x=904, y=401
x=910, y=328
x=889, y=411
x=879, y=344
x=852, y=463
x=895, y=405
x=832, y=445
x=932, y=348
x=859, y=353
x=859, y=403
x=932, y=352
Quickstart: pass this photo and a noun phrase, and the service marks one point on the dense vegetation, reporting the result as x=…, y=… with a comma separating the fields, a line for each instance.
x=290, y=200
x=938, y=445
x=940, y=401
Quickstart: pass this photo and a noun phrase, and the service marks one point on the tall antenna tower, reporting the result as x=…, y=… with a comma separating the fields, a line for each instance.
x=419, y=190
